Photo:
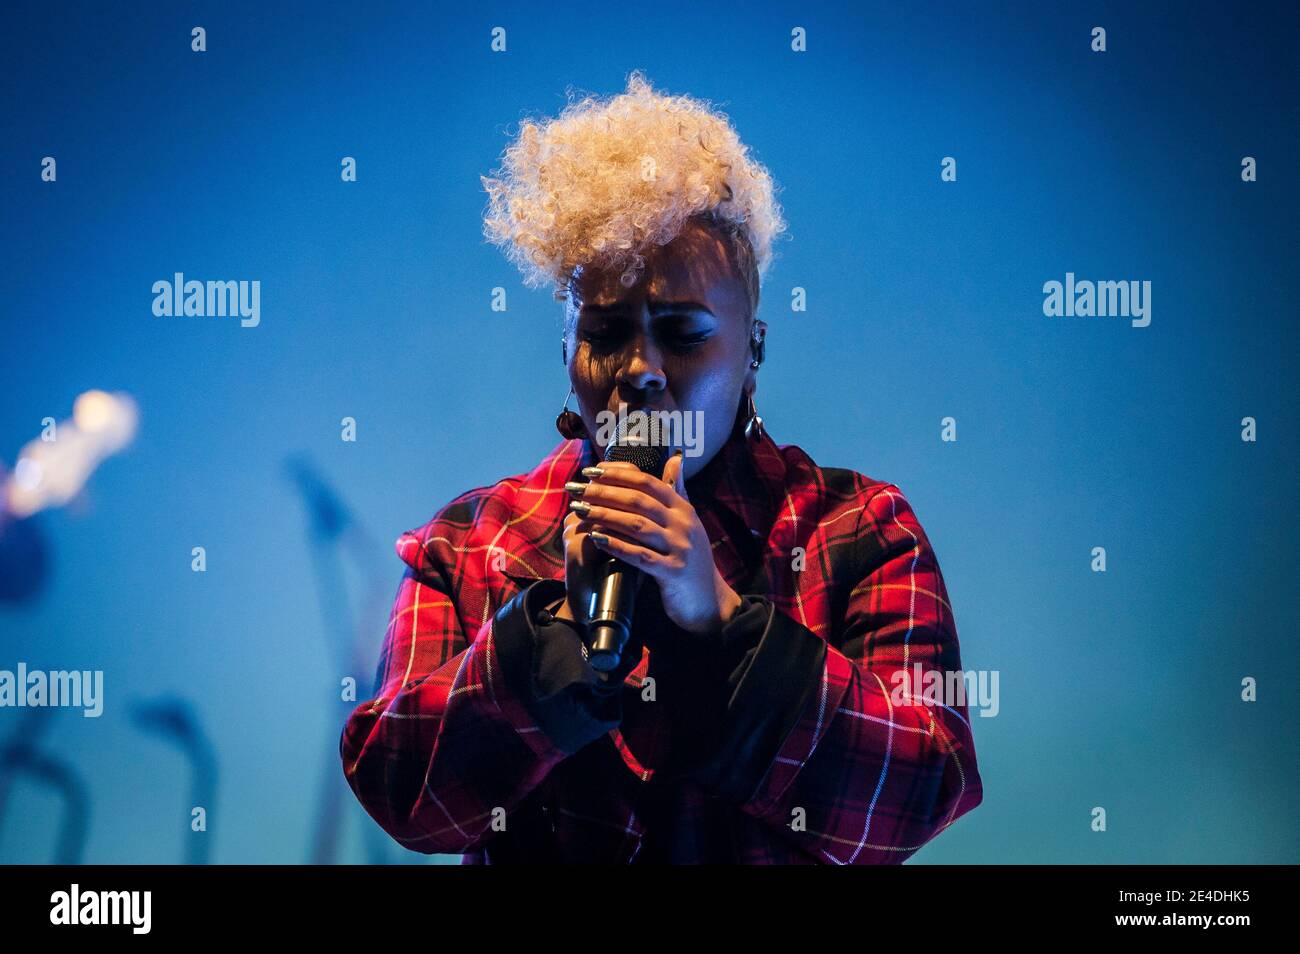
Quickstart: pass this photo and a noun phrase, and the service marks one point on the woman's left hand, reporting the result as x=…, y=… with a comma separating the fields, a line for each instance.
x=650, y=524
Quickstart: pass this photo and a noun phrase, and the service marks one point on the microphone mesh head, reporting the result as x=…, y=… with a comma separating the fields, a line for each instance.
x=639, y=442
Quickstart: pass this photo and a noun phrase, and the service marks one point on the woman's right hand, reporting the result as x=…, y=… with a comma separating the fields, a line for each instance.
x=582, y=559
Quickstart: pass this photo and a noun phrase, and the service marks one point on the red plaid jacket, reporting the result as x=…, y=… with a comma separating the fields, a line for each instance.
x=783, y=740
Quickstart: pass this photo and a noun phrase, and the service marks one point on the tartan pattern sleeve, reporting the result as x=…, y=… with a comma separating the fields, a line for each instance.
x=447, y=744
x=545, y=663
x=785, y=741
x=874, y=772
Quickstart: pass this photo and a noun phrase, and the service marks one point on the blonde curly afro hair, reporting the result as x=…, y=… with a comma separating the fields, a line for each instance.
x=606, y=180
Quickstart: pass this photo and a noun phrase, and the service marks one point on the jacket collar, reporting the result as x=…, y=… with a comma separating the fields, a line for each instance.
x=743, y=486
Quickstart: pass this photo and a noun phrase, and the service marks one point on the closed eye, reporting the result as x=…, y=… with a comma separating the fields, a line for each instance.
x=677, y=332
x=686, y=342
x=600, y=339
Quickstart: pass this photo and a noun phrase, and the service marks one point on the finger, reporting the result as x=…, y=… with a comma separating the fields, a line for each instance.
x=649, y=561
x=622, y=474
x=630, y=526
x=671, y=470
x=627, y=499
x=679, y=476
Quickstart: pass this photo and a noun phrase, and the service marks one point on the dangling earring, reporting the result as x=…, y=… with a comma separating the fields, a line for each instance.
x=569, y=423
x=753, y=423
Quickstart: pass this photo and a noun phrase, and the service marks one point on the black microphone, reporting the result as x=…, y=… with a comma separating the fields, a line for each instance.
x=613, y=600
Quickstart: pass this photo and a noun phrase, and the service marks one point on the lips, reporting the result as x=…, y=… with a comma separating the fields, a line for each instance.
x=633, y=408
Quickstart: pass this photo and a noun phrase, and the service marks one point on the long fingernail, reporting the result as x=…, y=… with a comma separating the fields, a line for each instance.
x=580, y=506
x=576, y=488
x=598, y=538
x=592, y=472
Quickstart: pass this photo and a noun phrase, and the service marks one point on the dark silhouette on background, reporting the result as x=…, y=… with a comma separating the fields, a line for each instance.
x=24, y=559
x=175, y=720
x=333, y=528
x=20, y=754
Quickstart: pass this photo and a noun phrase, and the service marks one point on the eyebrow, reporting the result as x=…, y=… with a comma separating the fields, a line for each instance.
x=656, y=308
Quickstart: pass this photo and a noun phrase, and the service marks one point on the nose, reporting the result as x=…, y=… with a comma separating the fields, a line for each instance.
x=642, y=370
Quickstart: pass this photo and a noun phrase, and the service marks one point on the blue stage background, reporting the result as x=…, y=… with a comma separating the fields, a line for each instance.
x=1119, y=689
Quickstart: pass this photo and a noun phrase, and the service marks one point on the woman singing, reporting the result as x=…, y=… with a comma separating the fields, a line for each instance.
x=763, y=709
